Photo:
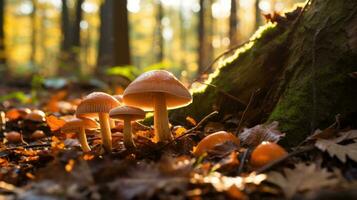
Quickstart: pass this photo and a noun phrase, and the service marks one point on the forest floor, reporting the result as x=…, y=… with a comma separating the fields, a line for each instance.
x=44, y=163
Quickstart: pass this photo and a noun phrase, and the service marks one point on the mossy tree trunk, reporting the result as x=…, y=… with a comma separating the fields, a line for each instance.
x=297, y=71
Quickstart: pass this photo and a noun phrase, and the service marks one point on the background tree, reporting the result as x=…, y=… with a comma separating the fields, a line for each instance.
x=233, y=23
x=2, y=36
x=121, y=49
x=258, y=14
x=34, y=32
x=105, y=48
x=204, y=37
x=158, y=37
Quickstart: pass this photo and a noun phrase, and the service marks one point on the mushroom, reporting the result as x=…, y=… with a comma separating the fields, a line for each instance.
x=157, y=90
x=36, y=116
x=127, y=114
x=214, y=139
x=79, y=126
x=99, y=103
x=265, y=153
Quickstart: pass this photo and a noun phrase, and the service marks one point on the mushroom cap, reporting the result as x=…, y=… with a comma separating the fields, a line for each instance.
x=122, y=112
x=36, y=116
x=141, y=91
x=75, y=123
x=96, y=102
x=119, y=97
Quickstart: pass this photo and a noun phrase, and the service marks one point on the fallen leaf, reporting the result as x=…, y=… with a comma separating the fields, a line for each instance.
x=259, y=133
x=302, y=178
x=338, y=150
x=54, y=123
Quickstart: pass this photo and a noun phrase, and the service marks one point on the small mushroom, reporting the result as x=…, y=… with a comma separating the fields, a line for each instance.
x=79, y=126
x=36, y=116
x=127, y=114
x=99, y=103
x=265, y=153
x=214, y=139
x=13, y=137
x=157, y=90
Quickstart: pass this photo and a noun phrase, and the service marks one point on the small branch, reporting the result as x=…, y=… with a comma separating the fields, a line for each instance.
x=246, y=109
x=241, y=164
x=274, y=163
x=190, y=130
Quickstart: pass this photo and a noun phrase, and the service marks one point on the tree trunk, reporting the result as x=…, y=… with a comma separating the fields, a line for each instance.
x=296, y=72
x=233, y=23
x=159, y=42
x=121, y=33
x=204, y=36
x=76, y=43
x=65, y=27
x=34, y=33
x=105, y=49
x=2, y=35
x=258, y=15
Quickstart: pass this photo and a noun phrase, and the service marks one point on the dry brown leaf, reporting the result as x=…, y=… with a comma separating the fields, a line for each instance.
x=54, y=123
x=259, y=133
x=340, y=151
x=302, y=178
x=191, y=120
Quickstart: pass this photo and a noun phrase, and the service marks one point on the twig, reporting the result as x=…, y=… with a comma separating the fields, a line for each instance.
x=244, y=157
x=246, y=109
x=189, y=130
x=274, y=163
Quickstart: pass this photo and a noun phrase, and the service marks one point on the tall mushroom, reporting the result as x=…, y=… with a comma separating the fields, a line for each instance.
x=157, y=90
x=127, y=114
x=99, y=103
x=79, y=126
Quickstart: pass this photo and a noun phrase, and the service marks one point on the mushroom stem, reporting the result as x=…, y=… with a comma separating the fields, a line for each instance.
x=161, y=121
x=83, y=140
x=105, y=131
x=112, y=123
x=128, y=138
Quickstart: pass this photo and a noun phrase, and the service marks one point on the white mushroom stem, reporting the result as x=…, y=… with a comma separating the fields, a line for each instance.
x=83, y=140
x=105, y=131
x=161, y=121
x=128, y=137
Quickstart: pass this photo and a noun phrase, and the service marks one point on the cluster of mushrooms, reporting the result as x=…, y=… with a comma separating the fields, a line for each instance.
x=156, y=90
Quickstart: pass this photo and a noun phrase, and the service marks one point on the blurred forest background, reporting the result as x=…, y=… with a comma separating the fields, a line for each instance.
x=92, y=39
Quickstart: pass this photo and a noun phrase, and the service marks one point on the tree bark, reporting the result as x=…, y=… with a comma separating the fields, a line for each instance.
x=258, y=15
x=105, y=49
x=159, y=42
x=2, y=35
x=204, y=35
x=65, y=27
x=34, y=32
x=296, y=72
x=121, y=33
x=233, y=23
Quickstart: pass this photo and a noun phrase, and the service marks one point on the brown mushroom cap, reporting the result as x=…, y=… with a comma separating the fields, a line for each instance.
x=75, y=123
x=127, y=112
x=140, y=92
x=36, y=116
x=119, y=97
x=96, y=102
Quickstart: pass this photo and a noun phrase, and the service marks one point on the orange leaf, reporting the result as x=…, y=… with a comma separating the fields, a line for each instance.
x=54, y=123
x=13, y=114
